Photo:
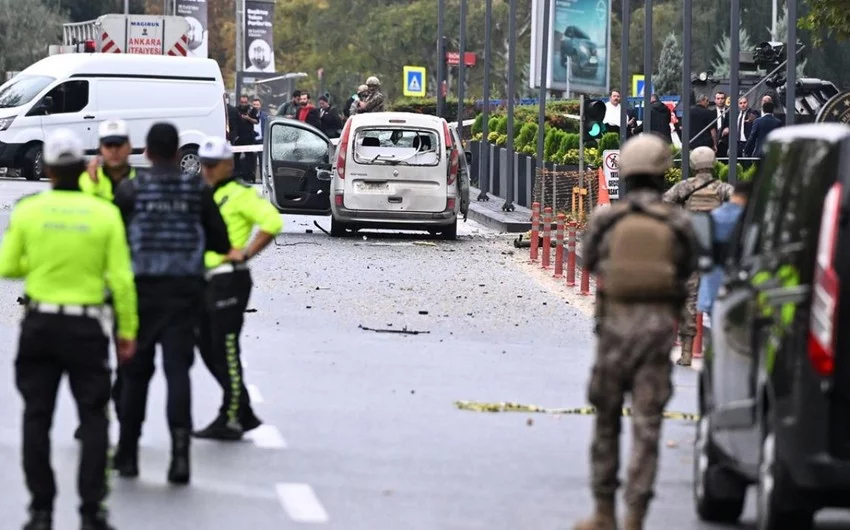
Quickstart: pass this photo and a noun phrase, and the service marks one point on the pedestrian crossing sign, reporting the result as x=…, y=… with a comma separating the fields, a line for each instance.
x=414, y=81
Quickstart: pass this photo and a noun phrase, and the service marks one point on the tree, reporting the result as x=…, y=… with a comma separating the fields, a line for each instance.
x=828, y=20
x=27, y=28
x=720, y=65
x=668, y=80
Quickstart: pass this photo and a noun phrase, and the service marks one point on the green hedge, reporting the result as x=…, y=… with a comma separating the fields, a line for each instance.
x=429, y=106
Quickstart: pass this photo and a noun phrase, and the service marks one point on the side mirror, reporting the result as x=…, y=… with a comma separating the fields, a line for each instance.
x=468, y=157
x=703, y=227
x=324, y=174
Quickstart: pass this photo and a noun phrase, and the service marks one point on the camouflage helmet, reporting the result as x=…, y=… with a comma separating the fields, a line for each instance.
x=645, y=154
x=373, y=82
x=702, y=158
x=362, y=88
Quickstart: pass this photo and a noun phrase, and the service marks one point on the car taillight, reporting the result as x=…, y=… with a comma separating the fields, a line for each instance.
x=339, y=199
x=822, y=329
x=452, y=149
x=342, y=150
x=450, y=204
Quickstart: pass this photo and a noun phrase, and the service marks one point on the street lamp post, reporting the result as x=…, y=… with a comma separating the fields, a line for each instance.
x=734, y=68
x=685, y=100
x=509, y=169
x=441, y=57
x=461, y=68
x=484, y=163
x=791, y=66
x=647, y=66
x=624, y=81
x=544, y=74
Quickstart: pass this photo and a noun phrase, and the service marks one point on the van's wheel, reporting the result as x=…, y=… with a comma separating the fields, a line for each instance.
x=33, y=166
x=338, y=228
x=776, y=492
x=450, y=231
x=190, y=162
x=714, y=502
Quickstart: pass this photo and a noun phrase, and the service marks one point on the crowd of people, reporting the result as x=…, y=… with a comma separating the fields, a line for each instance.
x=147, y=257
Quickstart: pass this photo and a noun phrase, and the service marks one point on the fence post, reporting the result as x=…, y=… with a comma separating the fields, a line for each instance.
x=571, y=255
x=585, y=280
x=547, y=236
x=559, y=246
x=535, y=230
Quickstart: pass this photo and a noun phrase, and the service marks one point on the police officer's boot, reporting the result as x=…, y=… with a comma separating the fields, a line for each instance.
x=635, y=516
x=126, y=458
x=179, y=471
x=39, y=520
x=96, y=521
x=687, y=352
x=604, y=518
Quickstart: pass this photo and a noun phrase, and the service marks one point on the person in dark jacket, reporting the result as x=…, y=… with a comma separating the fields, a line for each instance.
x=660, y=118
x=173, y=221
x=761, y=128
x=307, y=112
x=702, y=117
x=329, y=118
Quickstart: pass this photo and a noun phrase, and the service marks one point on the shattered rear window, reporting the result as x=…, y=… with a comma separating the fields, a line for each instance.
x=397, y=146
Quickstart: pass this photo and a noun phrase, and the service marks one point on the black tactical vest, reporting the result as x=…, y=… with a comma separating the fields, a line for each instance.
x=166, y=234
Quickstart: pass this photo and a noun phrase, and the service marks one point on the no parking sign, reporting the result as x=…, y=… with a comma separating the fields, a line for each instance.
x=611, y=168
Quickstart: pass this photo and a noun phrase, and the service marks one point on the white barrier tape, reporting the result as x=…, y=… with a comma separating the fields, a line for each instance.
x=258, y=148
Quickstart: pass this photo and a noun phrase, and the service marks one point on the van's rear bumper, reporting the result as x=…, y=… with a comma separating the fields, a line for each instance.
x=383, y=217
x=10, y=154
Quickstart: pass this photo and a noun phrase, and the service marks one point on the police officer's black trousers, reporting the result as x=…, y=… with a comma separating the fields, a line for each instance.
x=221, y=324
x=49, y=346
x=168, y=310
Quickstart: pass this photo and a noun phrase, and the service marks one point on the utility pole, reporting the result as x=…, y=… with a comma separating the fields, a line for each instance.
x=791, y=66
x=624, y=72
x=461, y=69
x=240, y=53
x=734, y=69
x=509, y=170
x=441, y=57
x=544, y=74
x=126, y=7
x=647, y=66
x=773, y=20
x=484, y=163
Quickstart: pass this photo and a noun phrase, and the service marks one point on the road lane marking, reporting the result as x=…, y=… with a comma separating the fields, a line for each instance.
x=254, y=394
x=267, y=437
x=301, y=504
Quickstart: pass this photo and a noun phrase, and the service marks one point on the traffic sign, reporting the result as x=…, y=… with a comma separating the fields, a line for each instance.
x=612, y=172
x=414, y=81
x=453, y=58
x=638, y=83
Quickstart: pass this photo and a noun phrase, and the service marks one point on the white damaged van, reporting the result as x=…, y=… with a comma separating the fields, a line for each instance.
x=78, y=91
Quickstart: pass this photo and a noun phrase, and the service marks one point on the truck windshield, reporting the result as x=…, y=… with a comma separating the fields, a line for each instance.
x=21, y=89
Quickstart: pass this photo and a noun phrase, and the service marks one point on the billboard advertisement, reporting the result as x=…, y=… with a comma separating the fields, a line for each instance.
x=195, y=12
x=579, y=39
x=259, y=37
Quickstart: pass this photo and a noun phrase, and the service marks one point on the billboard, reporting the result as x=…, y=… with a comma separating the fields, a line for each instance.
x=259, y=37
x=579, y=37
x=195, y=12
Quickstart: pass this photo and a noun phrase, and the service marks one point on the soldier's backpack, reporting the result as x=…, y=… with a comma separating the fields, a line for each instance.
x=641, y=263
x=704, y=197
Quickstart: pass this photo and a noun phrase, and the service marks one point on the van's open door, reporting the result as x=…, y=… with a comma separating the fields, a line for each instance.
x=296, y=164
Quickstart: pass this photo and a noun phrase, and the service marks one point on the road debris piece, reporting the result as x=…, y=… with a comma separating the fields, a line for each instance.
x=506, y=406
x=425, y=243
x=320, y=227
x=403, y=331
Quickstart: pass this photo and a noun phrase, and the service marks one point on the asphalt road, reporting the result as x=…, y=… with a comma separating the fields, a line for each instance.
x=361, y=432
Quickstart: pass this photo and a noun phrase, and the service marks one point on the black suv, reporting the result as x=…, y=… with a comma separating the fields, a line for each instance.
x=774, y=393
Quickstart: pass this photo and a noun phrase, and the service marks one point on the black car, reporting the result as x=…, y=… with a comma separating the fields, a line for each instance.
x=774, y=397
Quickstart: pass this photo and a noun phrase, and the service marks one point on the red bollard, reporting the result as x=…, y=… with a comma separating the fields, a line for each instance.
x=698, y=339
x=547, y=236
x=585, y=281
x=559, y=246
x=571, y=255
x=535, y=230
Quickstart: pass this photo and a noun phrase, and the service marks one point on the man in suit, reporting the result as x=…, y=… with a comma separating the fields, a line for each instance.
x=761, y=128
x=721, y=120
x=746, y=118
x=702, y=117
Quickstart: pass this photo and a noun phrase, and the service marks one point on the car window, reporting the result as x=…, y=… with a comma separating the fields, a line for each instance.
x=69, y=97
x=397, y=146
x=294, y=144
x=758, y=233
x=21, y=89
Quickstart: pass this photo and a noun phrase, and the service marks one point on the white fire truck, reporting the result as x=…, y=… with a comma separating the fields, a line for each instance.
x=137, y=34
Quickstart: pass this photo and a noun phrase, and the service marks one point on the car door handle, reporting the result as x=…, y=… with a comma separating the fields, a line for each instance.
x=89, y=117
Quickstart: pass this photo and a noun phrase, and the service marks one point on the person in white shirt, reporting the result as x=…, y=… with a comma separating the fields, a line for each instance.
x=612, y=113
x=746, y=117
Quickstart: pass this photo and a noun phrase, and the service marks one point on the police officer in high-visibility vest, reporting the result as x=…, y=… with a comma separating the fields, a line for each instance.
x=68, y=247
x=229, y=287
x=103, y=175
x=173, y=221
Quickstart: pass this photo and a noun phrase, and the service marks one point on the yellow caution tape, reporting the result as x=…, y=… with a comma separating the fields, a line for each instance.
x=505, y=406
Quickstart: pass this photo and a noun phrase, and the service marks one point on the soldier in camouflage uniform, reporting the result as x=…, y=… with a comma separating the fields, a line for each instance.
x=700, y=193
x=362, y=94
x=375, y=101
x=642, y=271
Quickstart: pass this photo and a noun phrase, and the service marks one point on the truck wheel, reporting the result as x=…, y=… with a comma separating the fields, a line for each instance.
x=450, y=231
x=715, y=501
x=33, y=166
x=189, y=161
x=775, y=507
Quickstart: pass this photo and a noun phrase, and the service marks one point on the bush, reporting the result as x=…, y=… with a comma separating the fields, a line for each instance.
x=750, y=173
x=492, y=123
x=478, y=125
x=526, y=136
x=551, y=143
x=609, y=141
x=672, y=176
x=502, y=125
x=429, y=106
x=723, y=173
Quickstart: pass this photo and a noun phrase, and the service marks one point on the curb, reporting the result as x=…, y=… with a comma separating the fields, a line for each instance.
x=492, y=220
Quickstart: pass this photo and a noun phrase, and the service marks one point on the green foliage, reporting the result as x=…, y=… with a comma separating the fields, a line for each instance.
x=429, y=106
x=672, y=176
x=750, y=173
x=551, y=143
x=669, y=77
x=26, y=29
x=525, y=138
x=827, y=19
x=609, y=141
x=502, y=125
x=492, y=123
x=478, y=125
x=723, y=171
